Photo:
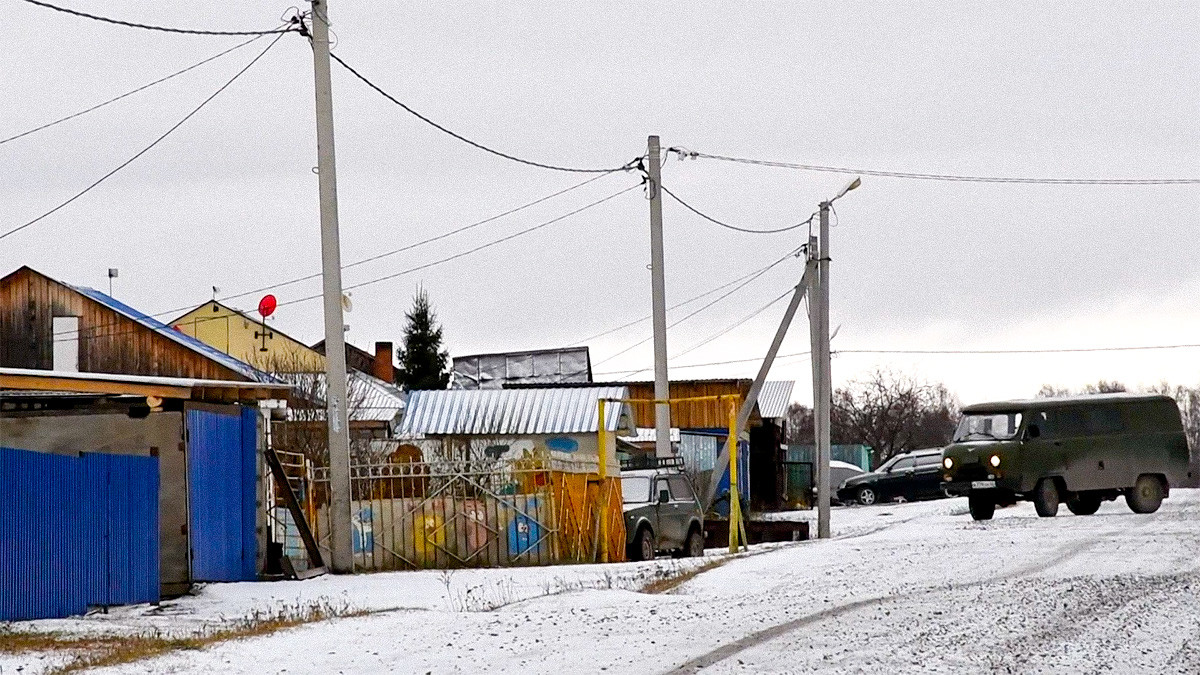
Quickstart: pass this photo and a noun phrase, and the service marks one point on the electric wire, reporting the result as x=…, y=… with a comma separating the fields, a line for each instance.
x=937, y=176
x=172, y=312
x=472, y=250
x=409, y=247
x=625, y=167
x=148, y=147
x=130, y=93
x=164, y=29
x=710, y=219
x=689, y=315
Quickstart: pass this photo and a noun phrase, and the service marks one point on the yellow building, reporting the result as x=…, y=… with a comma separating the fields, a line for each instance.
x=243, y=337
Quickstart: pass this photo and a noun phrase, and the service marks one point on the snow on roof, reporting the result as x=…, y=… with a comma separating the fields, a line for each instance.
x=381, y=401
x=1055, y=402
x=564, y=410
x=239, y=367
x=650, y=435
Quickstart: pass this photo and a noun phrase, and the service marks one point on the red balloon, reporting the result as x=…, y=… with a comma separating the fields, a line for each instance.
x=267, y=305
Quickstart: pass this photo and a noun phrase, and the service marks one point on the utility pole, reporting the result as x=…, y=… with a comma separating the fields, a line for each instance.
x=342, y=558
x=822, y=382
x=662, y=386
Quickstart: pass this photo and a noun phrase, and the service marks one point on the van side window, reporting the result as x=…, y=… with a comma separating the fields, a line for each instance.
x=1070, y=422
x=1104, y=421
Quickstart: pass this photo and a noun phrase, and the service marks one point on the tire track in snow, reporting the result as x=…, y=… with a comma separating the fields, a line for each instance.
x=1063, y=555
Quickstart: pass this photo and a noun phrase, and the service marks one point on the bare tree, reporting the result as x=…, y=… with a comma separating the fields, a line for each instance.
x=1100, y=387
x=890, y=412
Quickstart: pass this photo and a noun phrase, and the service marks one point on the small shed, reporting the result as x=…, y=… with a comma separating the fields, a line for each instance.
x=123, y=489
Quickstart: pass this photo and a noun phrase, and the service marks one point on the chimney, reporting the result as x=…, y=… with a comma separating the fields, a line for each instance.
x=384, y=358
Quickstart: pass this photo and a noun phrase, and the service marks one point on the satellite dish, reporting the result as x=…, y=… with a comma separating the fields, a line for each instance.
x=347, y=303
x=266, y=306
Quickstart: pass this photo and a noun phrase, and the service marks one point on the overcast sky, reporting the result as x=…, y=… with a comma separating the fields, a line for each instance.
x=1020, y=89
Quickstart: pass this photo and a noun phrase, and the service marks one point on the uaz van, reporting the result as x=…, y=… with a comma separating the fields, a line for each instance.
x=1080, y=450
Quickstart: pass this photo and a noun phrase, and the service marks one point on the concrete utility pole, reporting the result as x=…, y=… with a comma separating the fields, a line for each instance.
x=662, y=386
x=823, y=381
x=822, y=384
x=342, y=558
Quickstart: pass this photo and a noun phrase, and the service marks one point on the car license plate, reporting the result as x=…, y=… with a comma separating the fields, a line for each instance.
x=982, y=484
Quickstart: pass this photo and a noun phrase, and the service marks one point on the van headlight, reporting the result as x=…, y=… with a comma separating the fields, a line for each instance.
x=948, y=463
x=994, y=461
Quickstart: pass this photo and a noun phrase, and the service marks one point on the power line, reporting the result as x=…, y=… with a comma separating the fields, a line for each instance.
x=710, y=219
x=625, y=167
x=171, y=312
x=939, y=176
x=689, y=315
x=429, y=240
x=165, y=29
x=472, y=250
x=130, y=93
x=1066, y=350
x=705, y=365
x=148, y=147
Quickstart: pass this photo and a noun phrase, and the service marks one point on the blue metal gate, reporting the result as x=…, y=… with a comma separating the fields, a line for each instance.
x=120, y=521
x=222, y=451
x=76, y=531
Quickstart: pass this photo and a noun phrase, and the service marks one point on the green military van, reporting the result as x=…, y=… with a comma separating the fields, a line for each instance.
x=1079, y=450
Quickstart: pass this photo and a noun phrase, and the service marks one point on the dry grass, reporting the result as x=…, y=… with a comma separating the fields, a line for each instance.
x=674, y=577
x=85, y=652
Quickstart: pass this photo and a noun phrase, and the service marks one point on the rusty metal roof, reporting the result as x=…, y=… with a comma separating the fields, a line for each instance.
x=568, y=410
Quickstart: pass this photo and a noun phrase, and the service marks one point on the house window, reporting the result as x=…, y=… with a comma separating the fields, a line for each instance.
x=65, y=337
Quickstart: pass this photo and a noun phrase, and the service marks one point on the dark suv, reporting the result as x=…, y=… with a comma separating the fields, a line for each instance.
x=661, y=513
x=911, y=475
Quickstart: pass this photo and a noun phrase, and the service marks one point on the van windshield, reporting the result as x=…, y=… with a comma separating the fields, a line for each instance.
x=988, y=426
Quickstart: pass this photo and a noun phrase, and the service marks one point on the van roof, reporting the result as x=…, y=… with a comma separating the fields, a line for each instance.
x=1059, y=402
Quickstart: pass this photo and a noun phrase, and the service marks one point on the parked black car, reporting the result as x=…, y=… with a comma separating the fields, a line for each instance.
x=911, y=475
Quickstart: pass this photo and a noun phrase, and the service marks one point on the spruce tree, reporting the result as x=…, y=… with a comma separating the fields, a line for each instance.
x=422, y=360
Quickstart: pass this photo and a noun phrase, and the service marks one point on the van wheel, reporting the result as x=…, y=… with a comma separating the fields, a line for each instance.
x=982, y=505
x=643, y=545
x=1045, y=498
x=1084, y=504
x=867, y=496
x=1146, y=495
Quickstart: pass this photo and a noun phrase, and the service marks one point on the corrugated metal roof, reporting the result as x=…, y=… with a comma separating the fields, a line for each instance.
x=570, y=410
x=239, y=367
x=380, y=401
x=775, y=397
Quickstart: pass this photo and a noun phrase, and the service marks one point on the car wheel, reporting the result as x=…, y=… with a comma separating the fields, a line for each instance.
x=981, y=505
x=1083, y=504
x=1045, y=498
x=694, y=547
x=1146, y=495
x=867, y=496
x=643, y=545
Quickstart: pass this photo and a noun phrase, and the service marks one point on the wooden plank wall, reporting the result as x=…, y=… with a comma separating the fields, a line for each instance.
x=108, y=342
x=692, y=414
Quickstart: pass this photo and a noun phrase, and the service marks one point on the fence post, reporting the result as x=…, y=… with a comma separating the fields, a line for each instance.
x=602, y=454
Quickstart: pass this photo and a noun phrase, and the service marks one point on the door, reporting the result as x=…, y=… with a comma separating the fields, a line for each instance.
x=222, y=443
x=926, y=479
x=669, y=535
x=120, y=519
x=895, y=482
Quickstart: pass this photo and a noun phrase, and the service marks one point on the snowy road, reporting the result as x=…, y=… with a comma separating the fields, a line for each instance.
x=903, y=588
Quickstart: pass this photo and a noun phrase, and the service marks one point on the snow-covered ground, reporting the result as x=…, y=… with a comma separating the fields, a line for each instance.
x=901, y=588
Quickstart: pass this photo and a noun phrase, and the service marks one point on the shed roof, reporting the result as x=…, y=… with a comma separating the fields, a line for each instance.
x=26, y=379
x=775, y=397
x=503, y=412
x=212, y=353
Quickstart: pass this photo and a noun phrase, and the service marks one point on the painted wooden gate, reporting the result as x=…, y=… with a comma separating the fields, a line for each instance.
x=222, y=449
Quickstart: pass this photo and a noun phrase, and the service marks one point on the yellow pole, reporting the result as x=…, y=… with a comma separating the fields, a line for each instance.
x=735, y=506
x=602, y=440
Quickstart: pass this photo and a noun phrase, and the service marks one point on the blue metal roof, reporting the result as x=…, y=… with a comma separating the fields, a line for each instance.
x=240, y=367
